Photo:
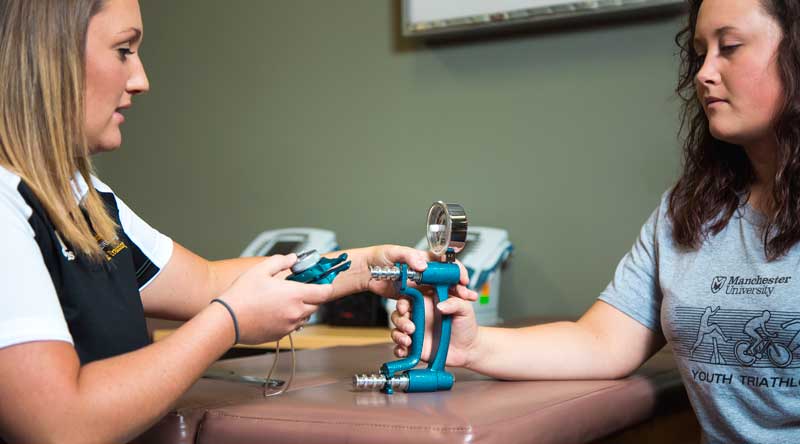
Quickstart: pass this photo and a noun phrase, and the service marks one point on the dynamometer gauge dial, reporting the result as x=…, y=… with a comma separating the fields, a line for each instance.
x=446, y=228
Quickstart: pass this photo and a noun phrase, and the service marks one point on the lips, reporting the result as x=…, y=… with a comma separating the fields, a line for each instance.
x=118, y=112
x=710, y=100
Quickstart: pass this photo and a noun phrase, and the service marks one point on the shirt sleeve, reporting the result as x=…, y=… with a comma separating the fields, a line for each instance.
x=31, y=309
x=151, y=249
x=635, y=290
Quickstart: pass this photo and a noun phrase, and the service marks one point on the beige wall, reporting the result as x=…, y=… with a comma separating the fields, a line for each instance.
x=267, y=114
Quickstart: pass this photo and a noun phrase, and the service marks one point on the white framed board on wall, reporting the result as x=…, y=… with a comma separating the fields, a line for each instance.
x=442, y=17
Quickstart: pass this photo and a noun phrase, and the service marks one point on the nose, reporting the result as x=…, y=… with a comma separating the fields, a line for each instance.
x=137, y=82
x=708, y=73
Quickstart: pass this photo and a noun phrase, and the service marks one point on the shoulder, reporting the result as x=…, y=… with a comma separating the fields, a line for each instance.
x=31, y=308
x=659, y=219
x=111, y=200
x=663, y=204
x=9, y=185
x=657, y=231
x=14, y=210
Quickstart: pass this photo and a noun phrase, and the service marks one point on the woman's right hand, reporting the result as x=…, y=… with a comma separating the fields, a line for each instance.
x=267, y=306
x=463, y=334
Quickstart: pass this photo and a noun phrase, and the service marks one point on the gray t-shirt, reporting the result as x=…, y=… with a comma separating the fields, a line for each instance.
x=731, y=319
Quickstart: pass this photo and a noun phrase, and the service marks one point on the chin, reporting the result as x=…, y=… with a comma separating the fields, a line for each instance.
x=102, y=148
x=724, y=134
x=106, y=144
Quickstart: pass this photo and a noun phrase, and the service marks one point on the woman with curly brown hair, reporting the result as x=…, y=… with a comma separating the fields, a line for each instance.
x=80, y=270
x=723, y=241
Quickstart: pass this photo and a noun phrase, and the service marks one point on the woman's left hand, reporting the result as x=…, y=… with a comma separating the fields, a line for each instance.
x=387, y=256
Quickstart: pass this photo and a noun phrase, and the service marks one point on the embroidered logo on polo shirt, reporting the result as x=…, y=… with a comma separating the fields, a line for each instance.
x=111, y=248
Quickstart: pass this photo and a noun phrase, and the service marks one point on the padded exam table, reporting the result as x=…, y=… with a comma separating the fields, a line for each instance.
x=321, y=407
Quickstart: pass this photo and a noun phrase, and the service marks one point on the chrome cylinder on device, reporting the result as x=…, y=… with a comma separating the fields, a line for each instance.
x=375, y=382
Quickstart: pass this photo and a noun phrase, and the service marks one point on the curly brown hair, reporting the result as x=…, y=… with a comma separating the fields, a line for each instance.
x=717, y=174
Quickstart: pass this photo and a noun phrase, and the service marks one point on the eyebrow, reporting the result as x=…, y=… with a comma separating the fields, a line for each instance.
x=136, y=31
x=717, y=32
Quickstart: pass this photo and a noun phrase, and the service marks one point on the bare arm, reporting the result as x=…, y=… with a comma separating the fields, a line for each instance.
x=46, y=396
x=115, y=399
x=603, y=344
x=189, y=282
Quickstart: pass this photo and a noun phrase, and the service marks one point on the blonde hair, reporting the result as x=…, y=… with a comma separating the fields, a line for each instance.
x=42, y=138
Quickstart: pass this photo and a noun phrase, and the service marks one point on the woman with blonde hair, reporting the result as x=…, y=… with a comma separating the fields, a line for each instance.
x=79, y=270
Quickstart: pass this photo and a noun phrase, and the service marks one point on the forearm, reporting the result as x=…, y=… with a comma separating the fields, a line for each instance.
x=356, y=278
x=189, y=282
x=560, y=350
x=604, y=343
x=223, y=273
x=130, y=392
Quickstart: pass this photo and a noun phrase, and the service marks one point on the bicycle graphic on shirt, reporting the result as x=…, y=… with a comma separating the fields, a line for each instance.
x=761, y=344
x=778, y=354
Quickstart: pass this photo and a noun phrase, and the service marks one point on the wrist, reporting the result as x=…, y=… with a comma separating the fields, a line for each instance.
x=362, y=258
x=231, y=314
x=475, y=351
x=216, y=322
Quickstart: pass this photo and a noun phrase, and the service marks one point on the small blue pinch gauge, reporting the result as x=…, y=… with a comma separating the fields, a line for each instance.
x=311, y=268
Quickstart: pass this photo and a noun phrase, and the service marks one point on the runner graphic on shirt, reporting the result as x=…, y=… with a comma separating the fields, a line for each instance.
x=713, y=331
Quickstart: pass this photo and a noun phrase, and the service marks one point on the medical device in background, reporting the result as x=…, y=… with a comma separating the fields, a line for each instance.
x=446, y=233
x=484, y=256
x=291, y=240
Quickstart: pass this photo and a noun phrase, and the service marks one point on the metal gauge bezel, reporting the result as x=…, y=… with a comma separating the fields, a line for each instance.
x=306, y=260
x=450, y=219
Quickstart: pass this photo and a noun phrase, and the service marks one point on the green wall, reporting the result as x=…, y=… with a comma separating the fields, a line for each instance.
x=267, y=114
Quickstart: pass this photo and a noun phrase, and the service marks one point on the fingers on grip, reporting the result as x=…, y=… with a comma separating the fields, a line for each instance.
x=400, y=338
x=400, y=351
x=453, y=306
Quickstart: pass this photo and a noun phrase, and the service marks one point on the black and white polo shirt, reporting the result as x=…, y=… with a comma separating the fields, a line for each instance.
x=48, y=292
